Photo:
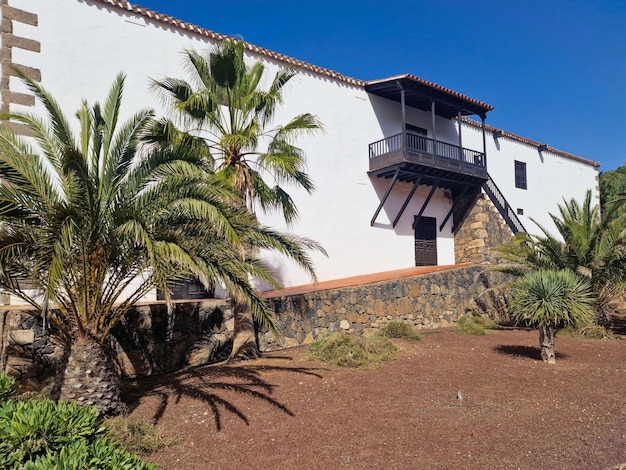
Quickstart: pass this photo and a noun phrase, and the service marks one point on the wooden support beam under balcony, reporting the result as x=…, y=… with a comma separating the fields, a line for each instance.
x=415, y=155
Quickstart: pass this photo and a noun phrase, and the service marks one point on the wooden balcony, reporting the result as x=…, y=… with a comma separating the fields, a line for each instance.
x=427, y=156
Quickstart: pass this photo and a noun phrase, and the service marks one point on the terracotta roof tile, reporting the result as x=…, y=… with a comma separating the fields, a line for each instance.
x=359, y=280
x=434, y=86
x=534, y=143
x=169, y=20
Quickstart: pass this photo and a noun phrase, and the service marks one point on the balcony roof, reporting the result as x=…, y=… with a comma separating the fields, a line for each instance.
x=419, y=93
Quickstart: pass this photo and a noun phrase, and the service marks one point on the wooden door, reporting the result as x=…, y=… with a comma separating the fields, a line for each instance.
x=426, y=242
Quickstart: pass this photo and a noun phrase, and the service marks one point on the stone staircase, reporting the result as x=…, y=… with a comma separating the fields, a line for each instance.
x=505, y=209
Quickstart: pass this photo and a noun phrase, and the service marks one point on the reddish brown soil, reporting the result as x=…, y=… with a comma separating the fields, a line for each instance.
x=285, y=411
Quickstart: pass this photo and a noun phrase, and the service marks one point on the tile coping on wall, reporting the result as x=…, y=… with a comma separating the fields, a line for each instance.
x=359, y=280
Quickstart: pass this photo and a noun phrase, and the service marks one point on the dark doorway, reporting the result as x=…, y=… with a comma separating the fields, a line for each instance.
x=426, y=242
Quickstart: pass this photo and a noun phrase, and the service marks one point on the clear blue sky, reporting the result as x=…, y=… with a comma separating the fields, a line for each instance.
x=554, y=70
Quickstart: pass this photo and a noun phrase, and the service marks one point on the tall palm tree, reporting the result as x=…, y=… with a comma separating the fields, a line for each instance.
x=225, y=104
x=548, y=300
x=589, y=245
x=95, y=222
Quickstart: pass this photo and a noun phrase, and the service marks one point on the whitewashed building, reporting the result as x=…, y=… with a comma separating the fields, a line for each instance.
x=400, y=166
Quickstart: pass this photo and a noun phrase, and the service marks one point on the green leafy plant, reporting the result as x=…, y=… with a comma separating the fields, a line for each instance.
x=588, y=243
x=550, y=300
x=397, y=329
x=7, y=387
x=45, y=434
x=474, y=325
x=226, y=103
x=137, y=437
x=88, y=209
x=345, y=350
x=101, y=454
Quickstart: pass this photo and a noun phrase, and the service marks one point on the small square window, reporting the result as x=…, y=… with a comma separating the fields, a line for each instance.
x=520, y=211
x=520, y=175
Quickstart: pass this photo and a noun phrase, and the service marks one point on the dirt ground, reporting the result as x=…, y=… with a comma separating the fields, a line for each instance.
x=447, y=402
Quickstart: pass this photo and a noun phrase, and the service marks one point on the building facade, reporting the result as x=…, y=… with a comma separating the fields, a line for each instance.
x=398, y=170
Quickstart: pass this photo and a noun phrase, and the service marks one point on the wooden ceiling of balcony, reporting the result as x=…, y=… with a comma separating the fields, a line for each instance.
x=409, y=173
x=421, y=93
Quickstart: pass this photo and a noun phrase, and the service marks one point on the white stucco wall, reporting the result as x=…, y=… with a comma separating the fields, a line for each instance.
x=550, y=177
x=84, y=45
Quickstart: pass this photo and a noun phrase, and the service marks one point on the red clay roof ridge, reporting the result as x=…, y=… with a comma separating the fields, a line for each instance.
x=434, y=86
x=534, y=143
x=169, y=20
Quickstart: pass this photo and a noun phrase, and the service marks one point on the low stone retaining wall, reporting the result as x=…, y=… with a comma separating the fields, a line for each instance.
x=432, y=300
x=147, y=342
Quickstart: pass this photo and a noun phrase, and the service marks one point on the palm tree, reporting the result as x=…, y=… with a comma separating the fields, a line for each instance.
x=225, y=104
x=548, y=300
x=94, y=223
x=589, y=245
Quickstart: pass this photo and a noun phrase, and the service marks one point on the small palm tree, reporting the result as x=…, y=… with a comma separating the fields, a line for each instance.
x=588, y=245
x=94, y=223
x=549, y=300
x=224, y=104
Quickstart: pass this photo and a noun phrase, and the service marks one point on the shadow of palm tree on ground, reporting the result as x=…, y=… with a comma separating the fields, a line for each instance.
x=524, y=351
x=209, y=384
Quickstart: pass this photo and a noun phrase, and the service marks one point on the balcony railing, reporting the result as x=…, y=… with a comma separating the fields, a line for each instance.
x=415, y=148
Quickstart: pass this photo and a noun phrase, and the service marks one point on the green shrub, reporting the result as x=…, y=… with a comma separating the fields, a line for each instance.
x=137, y=437
x=7, y=387
x=345, y=350
x=397, y=329
x=45, y=434
x=101, y=454
x=474, y=325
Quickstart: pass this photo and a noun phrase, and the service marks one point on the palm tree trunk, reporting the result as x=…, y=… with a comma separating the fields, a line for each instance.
x=89, y=378
x=244, y=336
x=546, y=342
x=602, y=316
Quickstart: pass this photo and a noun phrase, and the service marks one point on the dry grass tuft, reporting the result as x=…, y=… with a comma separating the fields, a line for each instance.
x=345, y=350
x=137, y=437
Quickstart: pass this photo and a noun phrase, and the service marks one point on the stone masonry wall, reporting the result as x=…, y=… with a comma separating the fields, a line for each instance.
x=433, y=300
x=10, y=41
x=481, y=232
x=144, y=343
x=147, y=342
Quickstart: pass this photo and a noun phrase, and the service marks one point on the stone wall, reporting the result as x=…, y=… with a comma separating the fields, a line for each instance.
x=10, y=41
x=144, y=343
x=26, y=351
x=147, y=342
x=433, y=300
x=483, y=230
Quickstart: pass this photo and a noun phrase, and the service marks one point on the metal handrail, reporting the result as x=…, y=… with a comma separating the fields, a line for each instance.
x=505, y=209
